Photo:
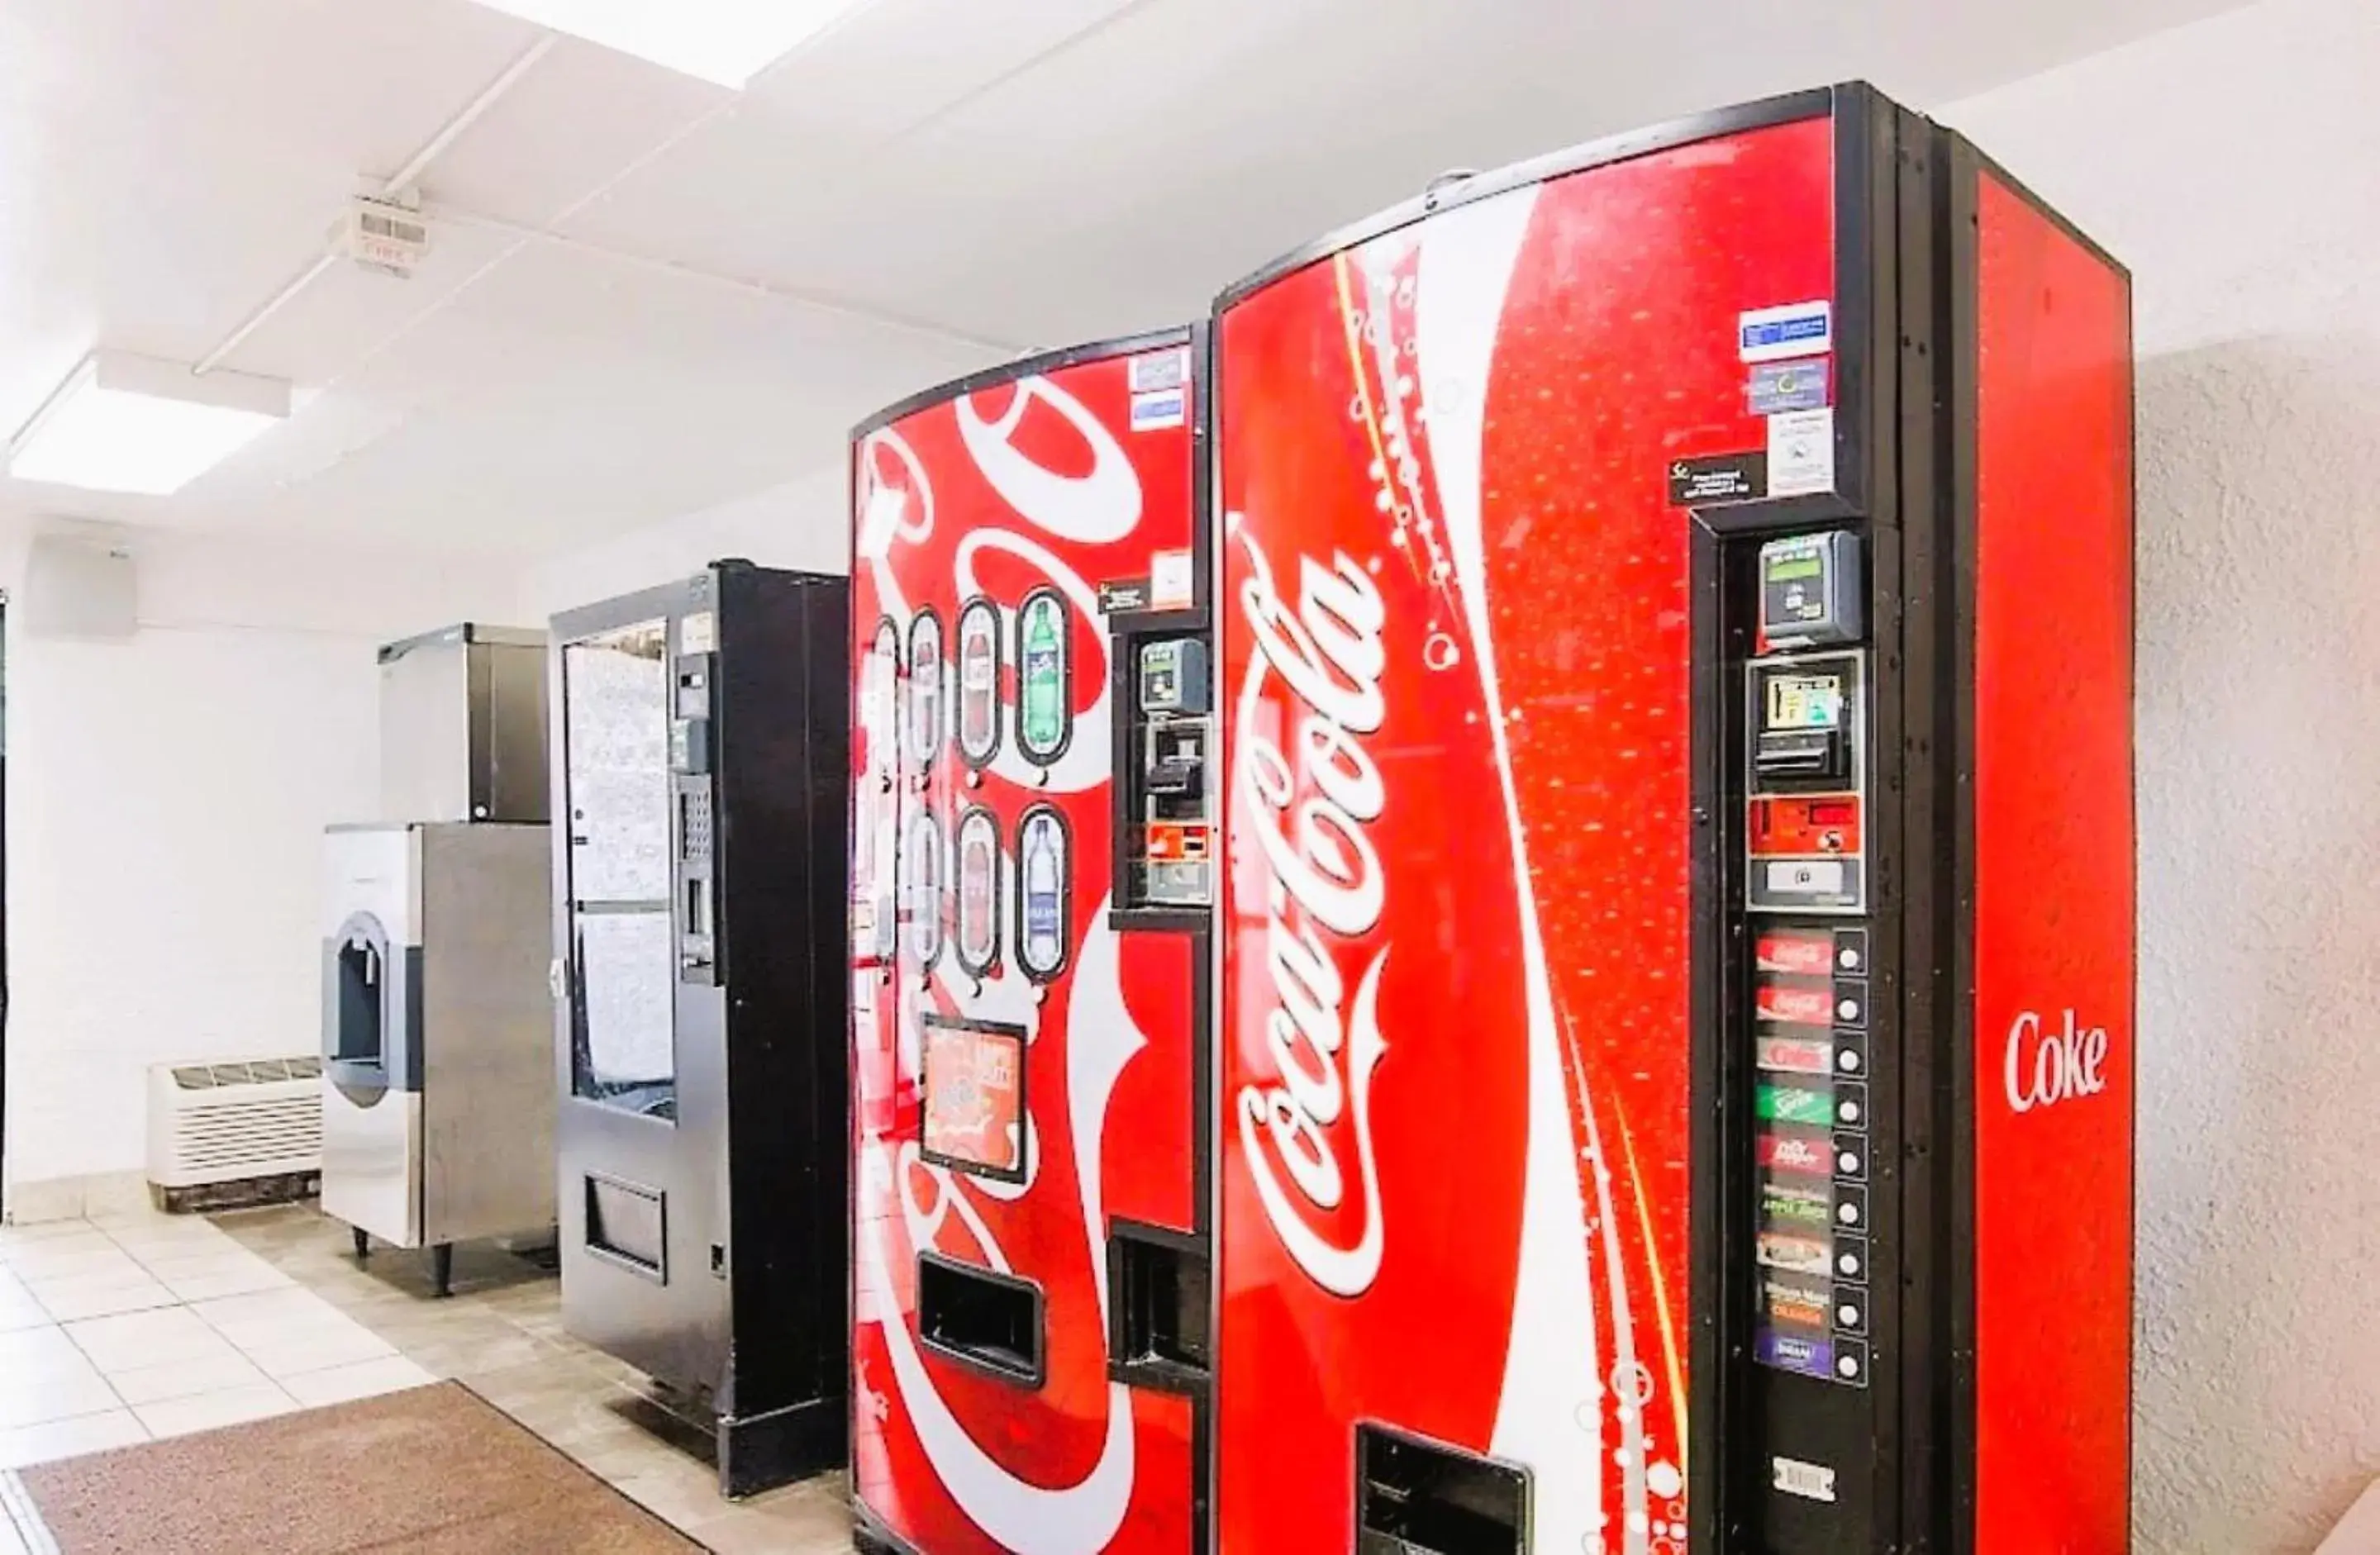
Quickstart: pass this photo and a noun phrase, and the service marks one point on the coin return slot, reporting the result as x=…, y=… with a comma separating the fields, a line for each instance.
x=991, y=1322
x=1162, y=1310
x=1417, y=1498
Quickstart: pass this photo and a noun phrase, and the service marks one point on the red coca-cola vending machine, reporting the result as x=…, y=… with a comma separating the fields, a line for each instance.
x=1675, y=1065
x=1033, y=843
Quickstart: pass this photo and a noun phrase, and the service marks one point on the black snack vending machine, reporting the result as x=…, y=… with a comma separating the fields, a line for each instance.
x=700, y=737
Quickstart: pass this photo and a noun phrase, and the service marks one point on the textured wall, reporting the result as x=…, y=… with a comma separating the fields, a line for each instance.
x=166, y=799
x=2235, y=166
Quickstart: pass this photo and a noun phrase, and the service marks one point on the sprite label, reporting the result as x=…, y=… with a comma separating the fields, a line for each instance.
x=1792, y=1104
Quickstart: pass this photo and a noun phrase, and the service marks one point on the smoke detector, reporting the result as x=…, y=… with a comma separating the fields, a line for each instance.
x=380, y=234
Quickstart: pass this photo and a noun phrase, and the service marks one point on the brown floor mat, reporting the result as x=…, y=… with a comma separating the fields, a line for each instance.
x=435, y=1470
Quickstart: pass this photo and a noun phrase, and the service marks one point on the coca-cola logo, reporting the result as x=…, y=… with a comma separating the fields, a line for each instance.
x=2044, y=1066
x=1307, y=808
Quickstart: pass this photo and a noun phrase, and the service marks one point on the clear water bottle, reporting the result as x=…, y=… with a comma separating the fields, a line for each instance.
x=1043, y=950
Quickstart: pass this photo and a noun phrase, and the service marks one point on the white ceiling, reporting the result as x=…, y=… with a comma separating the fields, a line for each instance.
x=931, y=186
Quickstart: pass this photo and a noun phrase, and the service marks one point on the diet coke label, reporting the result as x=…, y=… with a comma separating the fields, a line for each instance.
x=2046, y=1065
x=1307, y=809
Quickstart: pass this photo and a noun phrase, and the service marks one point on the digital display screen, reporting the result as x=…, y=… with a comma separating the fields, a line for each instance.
x=973, y=1102
x=1805, y=701
x=1784, y=569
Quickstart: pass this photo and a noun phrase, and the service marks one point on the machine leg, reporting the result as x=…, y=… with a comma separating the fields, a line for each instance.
x=442, y=1268
x=363, y=1242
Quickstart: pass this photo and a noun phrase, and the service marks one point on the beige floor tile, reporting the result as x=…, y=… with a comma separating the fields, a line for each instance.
x=314, y=1349
x=267, y=1309
x=240, y=1279
x=40, y=1231
x=180, y=1379
x=178, y=1260
x=51, y=1261
x=71, y=1438
x=683, y=1493
x=147, y=1338
x=71, y=1301
x=144, y=1233
x=205, y=1412
x=19, y=1310
x=52, y=1239
x=363, y=1380
x=44, y=1378
x=747, y=1532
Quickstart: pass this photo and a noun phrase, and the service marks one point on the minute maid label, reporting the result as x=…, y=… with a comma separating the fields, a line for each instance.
x=1794, y=1105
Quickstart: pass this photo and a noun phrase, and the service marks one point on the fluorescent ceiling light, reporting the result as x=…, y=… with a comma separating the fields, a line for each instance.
x=728, y=42
x=127, y=423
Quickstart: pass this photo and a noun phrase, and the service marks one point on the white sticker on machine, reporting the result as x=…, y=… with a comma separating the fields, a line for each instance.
x=698, y=633
x=1158, y=370
x=1172, y=580
x=1802, y=452
x=1812, y=1482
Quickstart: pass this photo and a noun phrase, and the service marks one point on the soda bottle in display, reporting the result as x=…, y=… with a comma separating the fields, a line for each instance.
x=1042, y=719
x=978, y=851
x=926, y=687
x=926, y=889
x=978, y=681
x=1044, y=947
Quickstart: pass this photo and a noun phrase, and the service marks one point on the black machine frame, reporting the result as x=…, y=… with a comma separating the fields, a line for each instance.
x=745, y=1319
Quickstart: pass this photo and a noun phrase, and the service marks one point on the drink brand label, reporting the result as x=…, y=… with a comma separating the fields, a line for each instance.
x=1794, y=1104
x=1794, y=1006
x=1808, y=955
x=1795, y=1056
x=1806, y=1206
x=1794, y=1304
x=1328, y=888
x=1794, y=1255
x=1792, y=1152
x=2043, y=1067
x=1791, y=1352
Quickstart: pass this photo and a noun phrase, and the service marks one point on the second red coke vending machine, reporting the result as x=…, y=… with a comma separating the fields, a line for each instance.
x=1030, y=977
x=1675, y=1062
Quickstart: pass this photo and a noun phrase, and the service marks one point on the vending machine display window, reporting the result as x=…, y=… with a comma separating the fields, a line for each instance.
x=615, y=729
x=972, y=1100
x=979, y=682
x=926, y=687
x=921, y=872
x=878, y=817
x=979, y=891
x=1044, y=899
x=1045, y=677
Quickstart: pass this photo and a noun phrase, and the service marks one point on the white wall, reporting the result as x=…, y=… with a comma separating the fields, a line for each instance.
x=167, y=797
x=802, y=524
x=2235, y=166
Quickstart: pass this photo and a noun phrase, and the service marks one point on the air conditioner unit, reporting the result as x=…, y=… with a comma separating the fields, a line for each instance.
x=227, y=1135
